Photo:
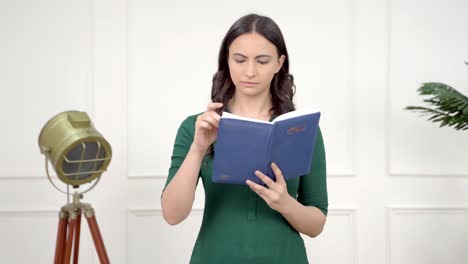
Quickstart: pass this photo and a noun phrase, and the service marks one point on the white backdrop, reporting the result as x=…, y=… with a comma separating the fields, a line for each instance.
x=397, y=183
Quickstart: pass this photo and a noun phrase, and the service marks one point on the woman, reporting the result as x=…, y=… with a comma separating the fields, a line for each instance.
x=246, y=223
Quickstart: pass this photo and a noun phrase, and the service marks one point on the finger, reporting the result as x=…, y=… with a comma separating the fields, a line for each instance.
x=278, y=173
x=269, y=182
x=214, y=115
x=260, y=190
x=213, y=106
x=206, y=125
x=210, y=120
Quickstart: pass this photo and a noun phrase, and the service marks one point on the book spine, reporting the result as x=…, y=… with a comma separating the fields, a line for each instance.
x=269, y=155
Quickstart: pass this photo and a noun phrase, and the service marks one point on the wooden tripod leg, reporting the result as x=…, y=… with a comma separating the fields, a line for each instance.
x=71, y=233
x=61, y=235
x=97, y=238
x=76, y=248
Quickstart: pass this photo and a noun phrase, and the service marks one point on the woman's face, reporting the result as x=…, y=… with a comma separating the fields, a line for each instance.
x=253, y=61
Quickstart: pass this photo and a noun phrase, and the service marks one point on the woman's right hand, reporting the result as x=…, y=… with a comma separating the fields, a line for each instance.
x=206, y=127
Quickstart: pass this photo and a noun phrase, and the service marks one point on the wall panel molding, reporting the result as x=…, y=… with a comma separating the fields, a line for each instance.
x=90, y=100
x=388, y=103
x=398, y=210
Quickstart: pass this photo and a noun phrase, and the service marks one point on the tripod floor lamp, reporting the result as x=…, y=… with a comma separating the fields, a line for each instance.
x=79, y=155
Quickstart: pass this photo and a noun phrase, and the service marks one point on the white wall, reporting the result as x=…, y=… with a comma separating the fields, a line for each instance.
x=397, y=183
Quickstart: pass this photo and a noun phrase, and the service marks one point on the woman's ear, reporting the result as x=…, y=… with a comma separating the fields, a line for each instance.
x=280, y=63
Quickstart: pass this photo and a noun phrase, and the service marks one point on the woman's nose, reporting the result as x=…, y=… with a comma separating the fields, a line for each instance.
x=251, y=70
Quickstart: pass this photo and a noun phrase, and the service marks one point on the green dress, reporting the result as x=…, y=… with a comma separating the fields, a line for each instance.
x=238, y=226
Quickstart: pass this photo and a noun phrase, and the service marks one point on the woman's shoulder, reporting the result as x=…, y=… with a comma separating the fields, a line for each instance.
x=189, y=122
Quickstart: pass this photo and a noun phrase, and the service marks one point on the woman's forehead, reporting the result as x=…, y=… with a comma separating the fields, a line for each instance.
x=252, y=44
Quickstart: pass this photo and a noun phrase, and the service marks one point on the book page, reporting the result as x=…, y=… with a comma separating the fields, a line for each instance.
x=233, y=116
x=292, y=114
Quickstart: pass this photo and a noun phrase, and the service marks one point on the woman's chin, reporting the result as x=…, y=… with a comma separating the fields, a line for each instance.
x=249, y=91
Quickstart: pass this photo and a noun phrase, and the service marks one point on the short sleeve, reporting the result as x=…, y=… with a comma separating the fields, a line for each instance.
x=313, y=187
x=183, y=141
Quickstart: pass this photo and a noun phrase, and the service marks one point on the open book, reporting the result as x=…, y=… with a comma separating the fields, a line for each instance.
x=245, y=145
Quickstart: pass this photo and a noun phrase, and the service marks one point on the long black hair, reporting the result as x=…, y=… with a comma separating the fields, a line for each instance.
x=282, y=88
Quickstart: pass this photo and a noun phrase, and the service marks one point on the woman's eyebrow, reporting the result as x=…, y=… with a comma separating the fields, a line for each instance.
x=257, y=57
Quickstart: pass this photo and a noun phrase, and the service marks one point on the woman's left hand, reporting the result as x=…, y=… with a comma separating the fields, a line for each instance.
x=276, y=195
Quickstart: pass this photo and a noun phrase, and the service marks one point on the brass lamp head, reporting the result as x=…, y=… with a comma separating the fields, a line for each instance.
x=77, y=151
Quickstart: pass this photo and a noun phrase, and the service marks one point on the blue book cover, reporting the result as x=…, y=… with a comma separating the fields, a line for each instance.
x=244, y=145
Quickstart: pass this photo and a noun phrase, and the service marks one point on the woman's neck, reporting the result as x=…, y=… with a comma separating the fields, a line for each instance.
x=258, y=108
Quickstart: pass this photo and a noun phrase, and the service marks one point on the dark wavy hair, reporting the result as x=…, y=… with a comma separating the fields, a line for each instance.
x=282, y=88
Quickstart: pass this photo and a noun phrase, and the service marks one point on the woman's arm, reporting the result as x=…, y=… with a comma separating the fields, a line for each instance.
x=308, y=220
x=178, y=196
x=177, y=199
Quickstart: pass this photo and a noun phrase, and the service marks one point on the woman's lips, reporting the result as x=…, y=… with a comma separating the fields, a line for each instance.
x=249, y=84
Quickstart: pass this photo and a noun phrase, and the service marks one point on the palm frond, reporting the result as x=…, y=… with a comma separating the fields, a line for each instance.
x=451, y=105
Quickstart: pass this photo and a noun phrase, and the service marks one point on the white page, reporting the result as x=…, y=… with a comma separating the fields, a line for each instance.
x=300, y=112
x=233, y=116
x=295, y=113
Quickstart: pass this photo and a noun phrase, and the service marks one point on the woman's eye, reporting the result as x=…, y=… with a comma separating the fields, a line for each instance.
x=261, y=62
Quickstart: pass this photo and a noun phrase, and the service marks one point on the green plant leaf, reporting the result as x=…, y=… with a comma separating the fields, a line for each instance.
x=451, y=106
